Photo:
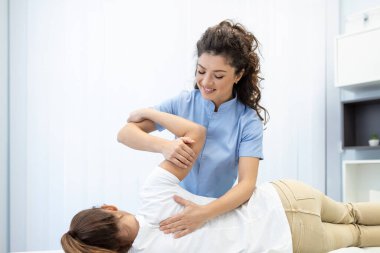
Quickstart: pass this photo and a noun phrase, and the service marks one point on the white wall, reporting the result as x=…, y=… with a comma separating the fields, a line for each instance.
x=3, y=125
x=333, y=107
x=292, y=34
x=17, y=124
x=79, y=67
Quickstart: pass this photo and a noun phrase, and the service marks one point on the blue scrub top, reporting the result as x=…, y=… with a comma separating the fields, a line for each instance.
x=235, y=130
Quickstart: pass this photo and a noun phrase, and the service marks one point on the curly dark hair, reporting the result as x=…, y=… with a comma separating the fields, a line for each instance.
x=240, y=48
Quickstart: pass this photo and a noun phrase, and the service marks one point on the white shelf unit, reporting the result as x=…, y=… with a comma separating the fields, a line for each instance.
x=359, y=178
x=357, y=58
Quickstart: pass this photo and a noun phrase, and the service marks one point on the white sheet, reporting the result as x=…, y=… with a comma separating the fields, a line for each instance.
x=48, y=251
x=344, y=250
x=357, y=250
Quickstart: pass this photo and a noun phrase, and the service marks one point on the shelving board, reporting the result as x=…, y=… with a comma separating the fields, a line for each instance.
x=359, y=178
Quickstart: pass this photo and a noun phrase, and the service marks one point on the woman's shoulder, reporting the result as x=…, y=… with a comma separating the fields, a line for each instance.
x=247, y=113
x=249, y=121
x=182, y=98
x=187, y=95
x=190, y=98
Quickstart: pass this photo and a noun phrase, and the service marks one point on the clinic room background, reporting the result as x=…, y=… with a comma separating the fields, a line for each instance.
x=72, y=70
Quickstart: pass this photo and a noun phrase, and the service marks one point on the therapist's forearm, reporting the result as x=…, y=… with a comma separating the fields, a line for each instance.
x=240, y=193
x=235, y=197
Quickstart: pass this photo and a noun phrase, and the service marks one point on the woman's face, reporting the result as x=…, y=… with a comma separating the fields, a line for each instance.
x=128, y=224
x=215, y=78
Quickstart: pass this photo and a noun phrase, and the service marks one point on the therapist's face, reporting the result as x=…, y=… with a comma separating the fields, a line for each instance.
x=215, y=78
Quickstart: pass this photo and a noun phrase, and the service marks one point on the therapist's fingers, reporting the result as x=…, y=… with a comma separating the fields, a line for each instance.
x=182, y=233
x=188, y=153
x=182, y=201
x=179, y=153
x=175, y=229
x=185, y=153
x=186, y=148
x=178, y=162
x=169, y=221
x=183, y=157
x=187, y=140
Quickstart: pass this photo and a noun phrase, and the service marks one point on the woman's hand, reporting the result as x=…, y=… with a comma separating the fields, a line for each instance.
x=178, y=152
x=185, y=222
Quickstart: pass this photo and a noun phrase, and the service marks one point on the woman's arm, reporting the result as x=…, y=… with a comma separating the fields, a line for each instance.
x=135, y=134
x=241, y=192
x=194, y=216
x=193, y=133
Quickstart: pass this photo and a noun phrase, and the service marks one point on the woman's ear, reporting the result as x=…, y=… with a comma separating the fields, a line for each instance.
x=239, y=76
x=109, y=207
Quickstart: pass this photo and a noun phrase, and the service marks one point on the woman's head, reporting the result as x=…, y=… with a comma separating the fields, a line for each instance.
x=239, y=49
x=100, y=230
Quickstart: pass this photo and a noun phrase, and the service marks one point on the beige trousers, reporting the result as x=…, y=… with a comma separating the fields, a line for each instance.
x=320, y=224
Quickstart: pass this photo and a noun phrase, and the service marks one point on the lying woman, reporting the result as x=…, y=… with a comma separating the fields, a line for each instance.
x=282, y=216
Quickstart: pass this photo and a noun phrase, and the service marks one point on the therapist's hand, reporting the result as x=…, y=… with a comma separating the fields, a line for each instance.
x=178, y=152
x=185, y=222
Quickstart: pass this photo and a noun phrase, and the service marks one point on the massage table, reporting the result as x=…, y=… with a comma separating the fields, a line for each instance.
x=344, y=250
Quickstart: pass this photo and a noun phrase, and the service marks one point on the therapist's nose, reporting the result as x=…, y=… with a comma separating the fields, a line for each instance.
x=207, y=81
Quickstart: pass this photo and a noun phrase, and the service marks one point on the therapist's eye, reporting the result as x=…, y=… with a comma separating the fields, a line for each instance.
x=219, y=77
x=201, y=72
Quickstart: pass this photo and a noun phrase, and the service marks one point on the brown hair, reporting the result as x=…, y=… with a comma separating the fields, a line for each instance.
x=96, y=231
x=240, y=47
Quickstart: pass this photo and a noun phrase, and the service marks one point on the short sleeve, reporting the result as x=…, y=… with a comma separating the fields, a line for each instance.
x=171, y=106
x=156, y=196
x=251, y=144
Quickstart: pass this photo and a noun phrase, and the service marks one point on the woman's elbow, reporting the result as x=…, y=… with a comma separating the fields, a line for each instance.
x=201, y=133
x=121, y=135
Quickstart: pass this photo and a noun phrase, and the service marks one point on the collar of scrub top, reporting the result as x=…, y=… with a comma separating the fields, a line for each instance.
x=225, y=107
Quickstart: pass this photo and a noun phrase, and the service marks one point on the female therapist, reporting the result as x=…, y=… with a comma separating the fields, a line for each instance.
x=225, y=100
